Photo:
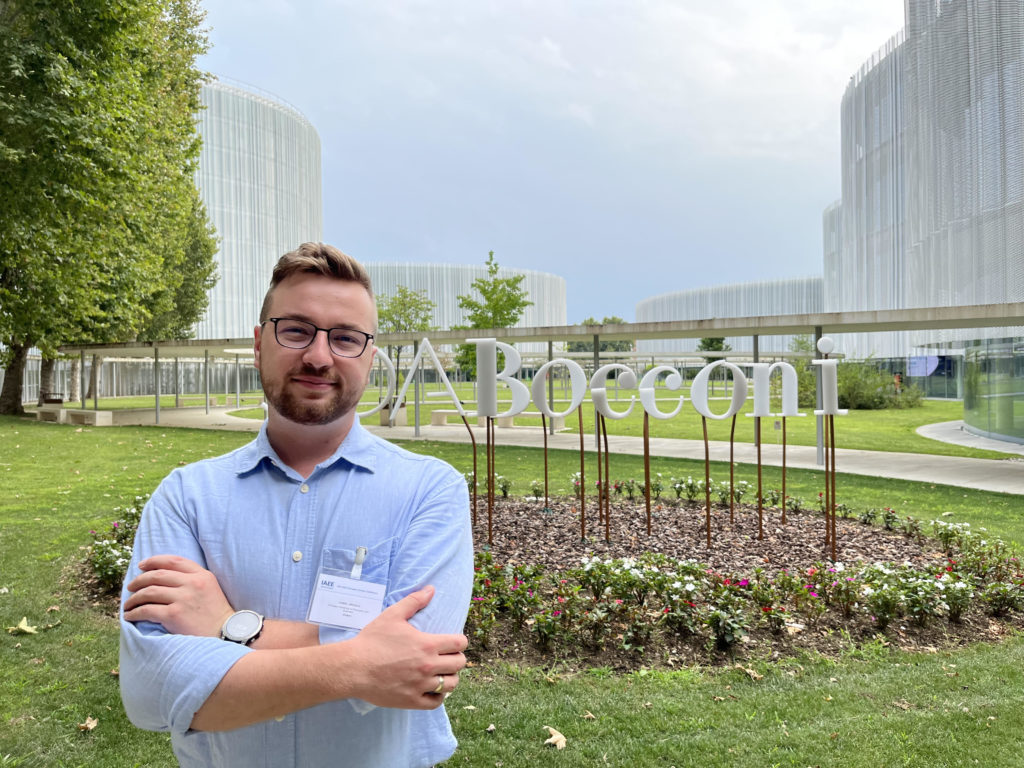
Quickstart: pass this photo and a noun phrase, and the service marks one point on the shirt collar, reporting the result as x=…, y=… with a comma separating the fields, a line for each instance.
x=358, y=449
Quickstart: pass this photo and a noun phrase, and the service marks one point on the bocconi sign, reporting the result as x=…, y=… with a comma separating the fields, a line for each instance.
x=488, y=378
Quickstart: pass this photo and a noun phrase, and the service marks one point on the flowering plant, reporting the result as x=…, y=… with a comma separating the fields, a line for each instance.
x=111, y=551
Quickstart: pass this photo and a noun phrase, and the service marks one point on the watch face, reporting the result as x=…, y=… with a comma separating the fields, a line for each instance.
x=242, y=625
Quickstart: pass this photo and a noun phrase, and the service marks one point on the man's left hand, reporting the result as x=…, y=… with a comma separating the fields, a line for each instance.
x=179, y=594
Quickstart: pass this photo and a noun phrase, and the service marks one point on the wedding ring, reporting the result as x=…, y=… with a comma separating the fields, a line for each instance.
x=440, y=684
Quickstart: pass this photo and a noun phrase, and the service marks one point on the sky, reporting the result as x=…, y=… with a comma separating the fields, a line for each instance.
x=632, y=147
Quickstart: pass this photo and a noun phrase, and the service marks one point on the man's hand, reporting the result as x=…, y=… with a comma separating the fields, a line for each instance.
x=179, y=594
x=396, y=665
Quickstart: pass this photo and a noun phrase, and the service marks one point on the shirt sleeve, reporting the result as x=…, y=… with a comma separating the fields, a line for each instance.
x=166, y=678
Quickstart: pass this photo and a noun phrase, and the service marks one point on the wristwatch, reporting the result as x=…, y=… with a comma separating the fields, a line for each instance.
x=242, y=627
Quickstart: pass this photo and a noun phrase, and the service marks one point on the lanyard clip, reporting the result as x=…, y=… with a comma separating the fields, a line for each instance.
x=357, y=566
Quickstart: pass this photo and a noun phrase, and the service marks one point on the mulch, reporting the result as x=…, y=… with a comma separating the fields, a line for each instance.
x=522, y=531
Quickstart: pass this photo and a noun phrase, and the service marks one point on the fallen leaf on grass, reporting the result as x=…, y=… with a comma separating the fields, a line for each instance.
x=490, y=728
x=53, y=608
x=751, y=673
x=470, y=707
x=588, y=715
x=557, y=739
x=89, y=724
x=23, y=628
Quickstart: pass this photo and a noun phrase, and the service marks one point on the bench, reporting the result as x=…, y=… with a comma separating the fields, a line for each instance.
x=439, y=418
x=90, y=417
x=51, y=412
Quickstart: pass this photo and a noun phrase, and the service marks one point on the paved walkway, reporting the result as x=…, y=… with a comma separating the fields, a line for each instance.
x=1005, y=475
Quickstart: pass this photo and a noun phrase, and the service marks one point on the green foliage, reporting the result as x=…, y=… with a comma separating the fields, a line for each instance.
x=499, y=303
x=623, y=345
x=713, y=344
x=98, y=151
x=111, y=550
x=806, y=377
x=863, y=386
x=403, y=311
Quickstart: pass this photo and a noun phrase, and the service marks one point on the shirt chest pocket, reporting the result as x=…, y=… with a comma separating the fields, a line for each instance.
x=370, y=562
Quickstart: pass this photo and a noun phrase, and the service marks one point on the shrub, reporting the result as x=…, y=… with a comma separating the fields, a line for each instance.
x=503, y=484
x=111, y=551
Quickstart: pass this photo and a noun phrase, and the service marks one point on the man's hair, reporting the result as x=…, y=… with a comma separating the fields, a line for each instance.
x=316, y=259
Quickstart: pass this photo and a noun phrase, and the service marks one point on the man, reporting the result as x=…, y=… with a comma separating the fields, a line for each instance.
x=296, y=602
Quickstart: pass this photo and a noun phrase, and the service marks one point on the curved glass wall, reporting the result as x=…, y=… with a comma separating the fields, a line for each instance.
x=259, y=175
x=994, y=388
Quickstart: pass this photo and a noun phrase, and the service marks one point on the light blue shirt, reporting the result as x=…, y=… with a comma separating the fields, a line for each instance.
x=264, y=531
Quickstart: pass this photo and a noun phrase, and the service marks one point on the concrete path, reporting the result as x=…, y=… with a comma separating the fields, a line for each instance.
x=1006, y=476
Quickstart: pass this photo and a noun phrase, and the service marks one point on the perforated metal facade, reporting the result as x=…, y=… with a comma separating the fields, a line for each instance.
x=444, y=283
x=259, y=175
x=773, y=297
x=932, y=209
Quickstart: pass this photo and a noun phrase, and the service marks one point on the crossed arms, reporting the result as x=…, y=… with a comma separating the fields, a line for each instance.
x=389, y=663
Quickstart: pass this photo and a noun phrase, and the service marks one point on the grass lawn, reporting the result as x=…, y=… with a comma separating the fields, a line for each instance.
x=874, y=706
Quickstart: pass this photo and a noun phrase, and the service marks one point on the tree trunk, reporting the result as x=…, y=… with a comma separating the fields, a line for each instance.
x=75, y=389
x=46, y=369
x=94, y=376
x=10, y=395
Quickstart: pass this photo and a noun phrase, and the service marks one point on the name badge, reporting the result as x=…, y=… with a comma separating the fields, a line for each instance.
x=341, y=601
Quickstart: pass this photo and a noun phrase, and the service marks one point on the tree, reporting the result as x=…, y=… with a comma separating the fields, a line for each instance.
x=97, y=160
x=501, y=303
x=807, y=379
x=605, y=346
x=713, y=344
x=405, y=310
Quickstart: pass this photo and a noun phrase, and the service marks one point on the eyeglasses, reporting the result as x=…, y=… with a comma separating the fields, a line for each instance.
x=298, y=334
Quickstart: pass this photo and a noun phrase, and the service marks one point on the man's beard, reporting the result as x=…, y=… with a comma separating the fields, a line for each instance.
x=312, y=412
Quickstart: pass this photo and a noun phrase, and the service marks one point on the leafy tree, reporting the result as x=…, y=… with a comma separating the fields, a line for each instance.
x=807, y=378
x=405, y=310
x=605, y=346
x=713, y=344
x=187, y=276
x=501, y=303
x=97, y=158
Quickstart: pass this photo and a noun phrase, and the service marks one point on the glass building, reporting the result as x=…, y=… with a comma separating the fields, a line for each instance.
x=259, y=175
x=931, y=213
x=932, y=208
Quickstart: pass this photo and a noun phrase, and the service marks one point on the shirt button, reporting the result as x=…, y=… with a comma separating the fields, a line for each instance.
x=296, y=556
x=304, y=488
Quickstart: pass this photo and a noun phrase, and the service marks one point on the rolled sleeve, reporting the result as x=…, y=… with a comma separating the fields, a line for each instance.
x=166, y=678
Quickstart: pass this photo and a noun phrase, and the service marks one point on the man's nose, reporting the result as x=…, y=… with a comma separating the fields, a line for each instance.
x=319, y=353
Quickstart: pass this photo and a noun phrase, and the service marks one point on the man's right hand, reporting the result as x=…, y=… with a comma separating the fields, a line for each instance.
x=393, y=664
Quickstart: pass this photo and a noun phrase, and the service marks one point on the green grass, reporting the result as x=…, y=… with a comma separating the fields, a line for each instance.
x=166, y=401
x=874, y=708
x=57, y=482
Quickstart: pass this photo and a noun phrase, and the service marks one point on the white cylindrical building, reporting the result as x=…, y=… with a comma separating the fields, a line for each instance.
x=444, y=283
x=770, y=297
x=259, y=176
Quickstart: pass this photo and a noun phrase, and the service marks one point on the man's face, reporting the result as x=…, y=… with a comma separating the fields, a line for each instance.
x=314, y=385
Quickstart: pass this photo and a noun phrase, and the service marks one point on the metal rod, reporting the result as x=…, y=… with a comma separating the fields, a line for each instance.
x=732, y=469
x=707, y=479
x=472, y=439
x=647, y=468
x=583, y=484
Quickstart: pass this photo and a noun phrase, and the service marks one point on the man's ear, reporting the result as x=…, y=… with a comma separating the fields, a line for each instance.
x=256, y=346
